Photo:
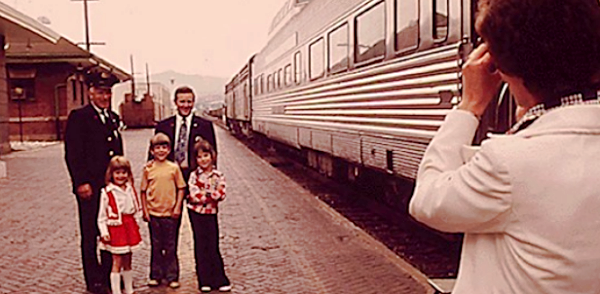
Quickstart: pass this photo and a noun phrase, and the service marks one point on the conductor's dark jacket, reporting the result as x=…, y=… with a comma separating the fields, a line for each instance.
x=89, y=146
x=200, y=129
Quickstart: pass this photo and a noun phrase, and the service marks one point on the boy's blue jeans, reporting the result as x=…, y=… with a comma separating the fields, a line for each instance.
x=164, y=233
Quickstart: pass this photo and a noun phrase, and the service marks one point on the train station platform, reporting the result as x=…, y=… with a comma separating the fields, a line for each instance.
x=275, y=236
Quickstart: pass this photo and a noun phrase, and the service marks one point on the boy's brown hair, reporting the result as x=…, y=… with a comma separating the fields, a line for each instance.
x=160, y=139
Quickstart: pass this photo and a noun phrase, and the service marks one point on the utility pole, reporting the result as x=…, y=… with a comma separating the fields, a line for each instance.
x=148, y=80
x=132, y=78
x=87, y=25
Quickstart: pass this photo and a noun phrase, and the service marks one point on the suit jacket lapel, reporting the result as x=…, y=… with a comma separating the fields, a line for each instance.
x=172, y=123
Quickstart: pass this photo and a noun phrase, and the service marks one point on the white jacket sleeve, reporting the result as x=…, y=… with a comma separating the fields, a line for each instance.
x=102, y=216
x=454, y=197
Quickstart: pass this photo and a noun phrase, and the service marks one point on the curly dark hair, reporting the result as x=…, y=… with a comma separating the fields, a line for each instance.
x=553, y=45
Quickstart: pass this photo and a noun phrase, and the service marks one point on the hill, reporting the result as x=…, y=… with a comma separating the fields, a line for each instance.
x=207, y=88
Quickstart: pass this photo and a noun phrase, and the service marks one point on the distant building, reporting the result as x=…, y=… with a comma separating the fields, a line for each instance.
x=144, y=108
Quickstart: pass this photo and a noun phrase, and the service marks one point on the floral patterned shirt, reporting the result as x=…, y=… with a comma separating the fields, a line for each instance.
x=206, y=190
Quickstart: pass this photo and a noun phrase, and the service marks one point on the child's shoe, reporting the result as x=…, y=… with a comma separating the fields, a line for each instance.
x=205, y=289
x=153, y=283
x=174, y=285
x=225, y=288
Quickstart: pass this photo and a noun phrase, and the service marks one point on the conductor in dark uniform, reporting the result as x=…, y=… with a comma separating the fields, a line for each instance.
x=92, y=138
x=184, y=129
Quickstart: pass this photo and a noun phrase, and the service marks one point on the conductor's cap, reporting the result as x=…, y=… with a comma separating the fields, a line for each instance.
x=100, y=79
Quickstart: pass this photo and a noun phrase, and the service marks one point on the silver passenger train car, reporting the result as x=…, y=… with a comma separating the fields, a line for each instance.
x=362, y=82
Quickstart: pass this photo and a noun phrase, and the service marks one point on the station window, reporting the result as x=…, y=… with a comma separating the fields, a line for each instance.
x=74, y=89
x=287, y=73
x=280, y=78
x=407, y=24
x=297, y=67
x=338, y=49
x=440, y=29
x=370, y=33
x=22, y=84
x=82, y=93
x=316, y=59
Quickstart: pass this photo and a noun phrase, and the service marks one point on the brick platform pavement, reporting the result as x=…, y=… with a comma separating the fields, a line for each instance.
x=275, y=236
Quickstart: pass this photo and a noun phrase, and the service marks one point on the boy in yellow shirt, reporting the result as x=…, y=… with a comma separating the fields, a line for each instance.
x=162, y=191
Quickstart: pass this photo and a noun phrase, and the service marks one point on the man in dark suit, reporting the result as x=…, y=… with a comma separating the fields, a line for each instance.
x=92, y=138
x=184, y=129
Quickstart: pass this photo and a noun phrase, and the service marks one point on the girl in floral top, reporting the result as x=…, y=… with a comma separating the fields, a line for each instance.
x=207, y=188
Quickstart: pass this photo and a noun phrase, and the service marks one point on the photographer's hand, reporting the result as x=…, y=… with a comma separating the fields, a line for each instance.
x=481, y=81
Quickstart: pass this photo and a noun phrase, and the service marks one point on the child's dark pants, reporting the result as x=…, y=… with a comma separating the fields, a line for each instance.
x=164, y=264
x=209, y=263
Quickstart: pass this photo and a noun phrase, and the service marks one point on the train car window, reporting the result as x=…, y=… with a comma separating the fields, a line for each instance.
x=279, y=78
x=316, y=59
x=440, y=28
x=261, y=84
x=370, y=34
x=256, y=86
x=287, y=73
x=407, y=24
x=338, y=49
x=297, y=67
x=269, y=83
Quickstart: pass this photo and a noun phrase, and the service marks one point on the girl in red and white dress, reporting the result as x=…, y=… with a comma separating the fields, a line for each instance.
x=119, y=231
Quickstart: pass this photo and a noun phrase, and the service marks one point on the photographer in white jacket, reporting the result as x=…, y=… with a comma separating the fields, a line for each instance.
x=528, y=202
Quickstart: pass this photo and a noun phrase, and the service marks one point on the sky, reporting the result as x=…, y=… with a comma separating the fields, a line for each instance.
x=206, y=37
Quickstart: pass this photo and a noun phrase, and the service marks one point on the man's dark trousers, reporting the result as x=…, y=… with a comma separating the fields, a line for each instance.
x=96, y=275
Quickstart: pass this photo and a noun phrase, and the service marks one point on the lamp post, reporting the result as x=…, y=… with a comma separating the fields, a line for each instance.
x=19, y=93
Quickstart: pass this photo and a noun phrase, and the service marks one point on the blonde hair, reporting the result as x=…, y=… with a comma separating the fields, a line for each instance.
x=117, y=163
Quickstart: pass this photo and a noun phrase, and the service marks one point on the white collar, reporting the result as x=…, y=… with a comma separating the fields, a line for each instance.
x=112, y=186
x=188, y=119
x=98, y=109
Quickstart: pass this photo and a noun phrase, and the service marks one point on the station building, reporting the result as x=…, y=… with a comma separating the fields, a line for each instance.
x=16, y=28
x=45, y=82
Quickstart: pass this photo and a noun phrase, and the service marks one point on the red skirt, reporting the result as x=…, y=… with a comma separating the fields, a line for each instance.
x=123, y=238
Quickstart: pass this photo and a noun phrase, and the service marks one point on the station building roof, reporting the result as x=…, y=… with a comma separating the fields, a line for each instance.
x=62, y=51
x=20, y=28
x=27, y=41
